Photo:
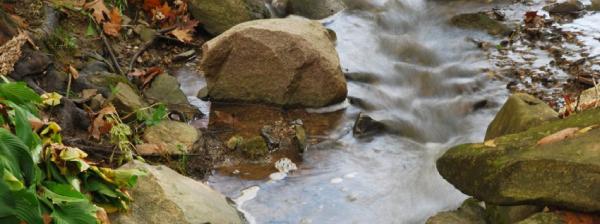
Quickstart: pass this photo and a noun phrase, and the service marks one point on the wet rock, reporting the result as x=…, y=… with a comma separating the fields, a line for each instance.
x=543, y=218
x=166, y=89
x=497, y=214
x=172, y=137
x=480, y=21
x=300, y=139
x=286, y=62
x=254, y=148
x=267, y=133
x=515, y=169
x=126, y=99
x=361, y=77
x=164, y=196
x=315, y=9
x=570, y=6
x=217, y=16
x=33, y=63
x=203, y=93
x=470, y=212
x=519, y=113
x=365, y=126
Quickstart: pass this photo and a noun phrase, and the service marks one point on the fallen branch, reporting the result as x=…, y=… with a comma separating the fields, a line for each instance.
x=159, y=34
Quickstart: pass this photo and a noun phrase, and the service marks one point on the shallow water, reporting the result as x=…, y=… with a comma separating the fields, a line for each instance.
x=428, y=78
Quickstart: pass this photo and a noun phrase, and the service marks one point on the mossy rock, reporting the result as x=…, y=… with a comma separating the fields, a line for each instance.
x=126, y=99
x=217, y=16
x=520, y=112
x=480, y=21
x=254, y=148
x=174, y=137
x=544, y=218
x=515, y=170
x=315, y=9
x=497, y=214
x=470, y=212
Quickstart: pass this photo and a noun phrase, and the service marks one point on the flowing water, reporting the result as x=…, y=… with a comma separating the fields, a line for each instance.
x=426, y=82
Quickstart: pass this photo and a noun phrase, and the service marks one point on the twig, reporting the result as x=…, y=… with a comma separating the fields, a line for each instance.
x=159, y=34
x=111, y=53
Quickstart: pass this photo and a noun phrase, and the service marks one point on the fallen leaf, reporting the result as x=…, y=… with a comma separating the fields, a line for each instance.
x=100, y=125
x=51, y=99
x=184, y=33
x=586, y=129
x=490, y=143
x=35, y=123
x=558, y=136
x=47, y=218
x=74, y=73
x=99, y=10
x=166, y=11
x=146, y=76
x=113, y=26
x=102, y=216
x=149, y=5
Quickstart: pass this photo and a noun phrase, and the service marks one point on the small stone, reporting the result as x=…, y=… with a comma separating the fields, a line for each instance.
x=570, y=6
x=365, y=126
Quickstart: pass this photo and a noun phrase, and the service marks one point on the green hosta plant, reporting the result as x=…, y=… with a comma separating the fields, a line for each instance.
x=44, y=181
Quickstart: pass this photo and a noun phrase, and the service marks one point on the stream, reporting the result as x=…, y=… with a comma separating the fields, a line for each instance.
x=426, y=82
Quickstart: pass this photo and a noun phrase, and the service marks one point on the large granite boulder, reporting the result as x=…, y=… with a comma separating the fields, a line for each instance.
x=164, y=196
x=286, y=62
x=520, y=169
x=217, y=16
x=520, y=112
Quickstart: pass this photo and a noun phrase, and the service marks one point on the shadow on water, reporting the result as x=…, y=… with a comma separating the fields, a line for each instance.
x=407, y=69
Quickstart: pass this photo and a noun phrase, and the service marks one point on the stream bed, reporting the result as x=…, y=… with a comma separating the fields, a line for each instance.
x=425, y=80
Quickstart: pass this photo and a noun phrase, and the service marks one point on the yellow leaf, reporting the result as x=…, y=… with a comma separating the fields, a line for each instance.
x=51, y=99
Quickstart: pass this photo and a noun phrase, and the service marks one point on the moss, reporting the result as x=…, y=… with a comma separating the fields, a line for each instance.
x=255, y=148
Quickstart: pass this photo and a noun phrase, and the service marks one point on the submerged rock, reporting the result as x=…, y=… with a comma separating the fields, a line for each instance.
x=520, y=112
x=172, y=137
x=470, y=212
x=286, y=62
x=254, y=148
x=164, y=196
x=217, y=16
x=480, y=21
x=515, y=169
x=570, y=6
x=365, y=126
x=315, y=9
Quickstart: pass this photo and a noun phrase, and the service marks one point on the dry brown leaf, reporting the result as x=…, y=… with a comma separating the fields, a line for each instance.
x=146, y=76
x=558, y=136
x=113, y=26
x=74, y=73
x=184, y=33
x=98, y=10
x=87, y=94
x=102, y=216
x=35, y=123
x=100, y=125
x=149, y=5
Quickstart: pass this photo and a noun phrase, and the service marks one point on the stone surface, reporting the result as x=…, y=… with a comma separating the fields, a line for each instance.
x=480, y=21
x=470, y=212
x=570, y=6
x=126, y=99
x=286, y=62
x=497, y=214
x=519, y=113
x=365, y=126
x=164, y=196
x=544, y=218
x=166, y=89
x=514, y=169
x=315, y=9
x=171, y=137
x=102, y=81
x=217, y=16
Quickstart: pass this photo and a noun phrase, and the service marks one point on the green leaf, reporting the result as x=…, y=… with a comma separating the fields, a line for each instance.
x=19, y=93
x=62, y=193
x=13, y=183
x=91, y=31
x=16, y=157
x=75, y=213
x=19, y=205
x=158, y=114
